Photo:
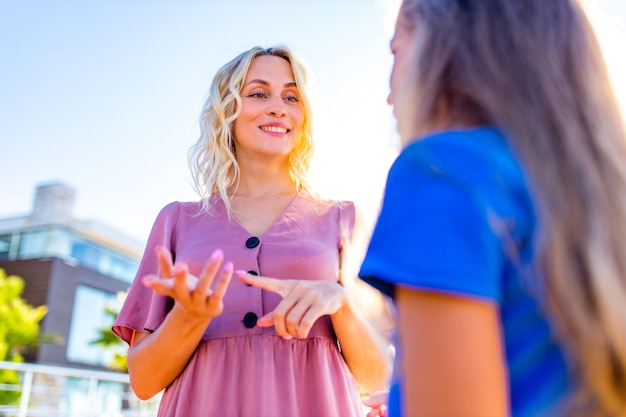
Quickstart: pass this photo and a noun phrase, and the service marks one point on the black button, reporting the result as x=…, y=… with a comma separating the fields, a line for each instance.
x=252, y=242
x=249, y=320
x=252, y=273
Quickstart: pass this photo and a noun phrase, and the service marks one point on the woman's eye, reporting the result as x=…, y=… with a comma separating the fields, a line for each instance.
x=292, y=99
x=257, y=94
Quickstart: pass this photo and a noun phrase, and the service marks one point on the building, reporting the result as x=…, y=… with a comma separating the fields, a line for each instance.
x=76, y=268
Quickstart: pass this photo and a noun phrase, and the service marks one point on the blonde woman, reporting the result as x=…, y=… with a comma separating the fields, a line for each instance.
x=285, y=338
x=501, y=235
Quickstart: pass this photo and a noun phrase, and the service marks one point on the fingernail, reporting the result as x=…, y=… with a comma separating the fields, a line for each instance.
x=217, y=255
x=228, y=267
x=240, y=272
x=288, y=337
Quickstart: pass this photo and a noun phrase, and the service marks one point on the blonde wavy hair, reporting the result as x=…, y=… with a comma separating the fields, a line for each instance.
x=212, y=158
x=533, y=69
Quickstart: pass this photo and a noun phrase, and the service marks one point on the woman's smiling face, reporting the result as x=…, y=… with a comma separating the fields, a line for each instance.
x=272, y=115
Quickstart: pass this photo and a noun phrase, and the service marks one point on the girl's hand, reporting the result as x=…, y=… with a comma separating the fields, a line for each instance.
x=193, y=295
x=377, y=403
x=303, y=302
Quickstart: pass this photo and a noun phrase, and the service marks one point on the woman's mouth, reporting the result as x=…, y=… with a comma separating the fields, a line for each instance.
x=274, y=129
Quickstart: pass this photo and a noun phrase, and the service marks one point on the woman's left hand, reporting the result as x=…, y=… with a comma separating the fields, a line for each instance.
x=304, y=301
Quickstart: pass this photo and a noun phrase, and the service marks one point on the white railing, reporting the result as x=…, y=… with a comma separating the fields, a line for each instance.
x=55, y=391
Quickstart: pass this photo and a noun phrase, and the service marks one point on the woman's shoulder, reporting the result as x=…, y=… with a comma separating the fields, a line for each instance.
x=181, y=207
x=180, y=212
x=317, y=200
x=314, y=207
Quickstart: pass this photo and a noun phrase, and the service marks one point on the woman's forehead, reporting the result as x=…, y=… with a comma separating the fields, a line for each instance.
x=270, y=69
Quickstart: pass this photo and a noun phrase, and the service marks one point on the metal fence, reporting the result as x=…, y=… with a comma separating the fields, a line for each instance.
x=54, y=391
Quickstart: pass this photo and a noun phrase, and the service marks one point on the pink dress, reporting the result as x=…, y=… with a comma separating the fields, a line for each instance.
x=240, y=369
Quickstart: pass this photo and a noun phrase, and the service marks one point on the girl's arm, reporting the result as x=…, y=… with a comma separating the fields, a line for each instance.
x=452, y=357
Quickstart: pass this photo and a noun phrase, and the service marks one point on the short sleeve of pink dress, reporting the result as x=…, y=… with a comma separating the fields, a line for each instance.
x=240, y=369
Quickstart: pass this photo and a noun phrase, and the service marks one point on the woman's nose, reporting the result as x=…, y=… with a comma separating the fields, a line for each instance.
x=276, y=108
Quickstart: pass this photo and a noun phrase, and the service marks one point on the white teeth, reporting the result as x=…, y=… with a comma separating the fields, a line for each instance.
x=274, y=129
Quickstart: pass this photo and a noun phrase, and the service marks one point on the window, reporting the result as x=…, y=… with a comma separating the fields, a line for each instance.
x=33, y=244
x=61, y=242
x=5, y=246
x=88, y=317
x=104, y=260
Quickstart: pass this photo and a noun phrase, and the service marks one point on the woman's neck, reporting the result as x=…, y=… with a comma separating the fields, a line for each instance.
x=264, y=187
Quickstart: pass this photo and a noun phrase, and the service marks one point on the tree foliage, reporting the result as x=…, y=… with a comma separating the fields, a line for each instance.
x=19, y=329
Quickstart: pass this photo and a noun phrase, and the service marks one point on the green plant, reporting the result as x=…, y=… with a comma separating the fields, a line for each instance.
x=19, y=330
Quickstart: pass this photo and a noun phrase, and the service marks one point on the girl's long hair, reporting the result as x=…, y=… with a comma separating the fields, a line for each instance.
x=212, y=159
x=533, y=69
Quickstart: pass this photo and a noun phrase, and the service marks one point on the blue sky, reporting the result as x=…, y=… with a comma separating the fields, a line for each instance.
x=104, y=95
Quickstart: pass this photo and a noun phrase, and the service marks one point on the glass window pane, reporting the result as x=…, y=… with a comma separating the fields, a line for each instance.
x=88, y=317
x=5, y=246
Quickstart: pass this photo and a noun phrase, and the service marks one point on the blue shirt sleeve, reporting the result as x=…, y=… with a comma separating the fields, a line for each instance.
x=435, y=230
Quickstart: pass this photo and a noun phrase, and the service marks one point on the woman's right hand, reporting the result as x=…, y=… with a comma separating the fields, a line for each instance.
x=192, y=294
x=156, y=358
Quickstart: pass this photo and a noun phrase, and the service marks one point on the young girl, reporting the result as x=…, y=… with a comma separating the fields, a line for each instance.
x=501, y=234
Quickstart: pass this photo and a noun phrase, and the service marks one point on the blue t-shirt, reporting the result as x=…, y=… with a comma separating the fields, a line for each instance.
x=458, y=218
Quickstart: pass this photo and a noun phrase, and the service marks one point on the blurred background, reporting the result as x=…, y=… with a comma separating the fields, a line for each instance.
x=104, y=95
x=99, y=102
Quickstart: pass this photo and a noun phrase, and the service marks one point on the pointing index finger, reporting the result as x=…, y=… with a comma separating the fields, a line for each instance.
x=278, y=286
